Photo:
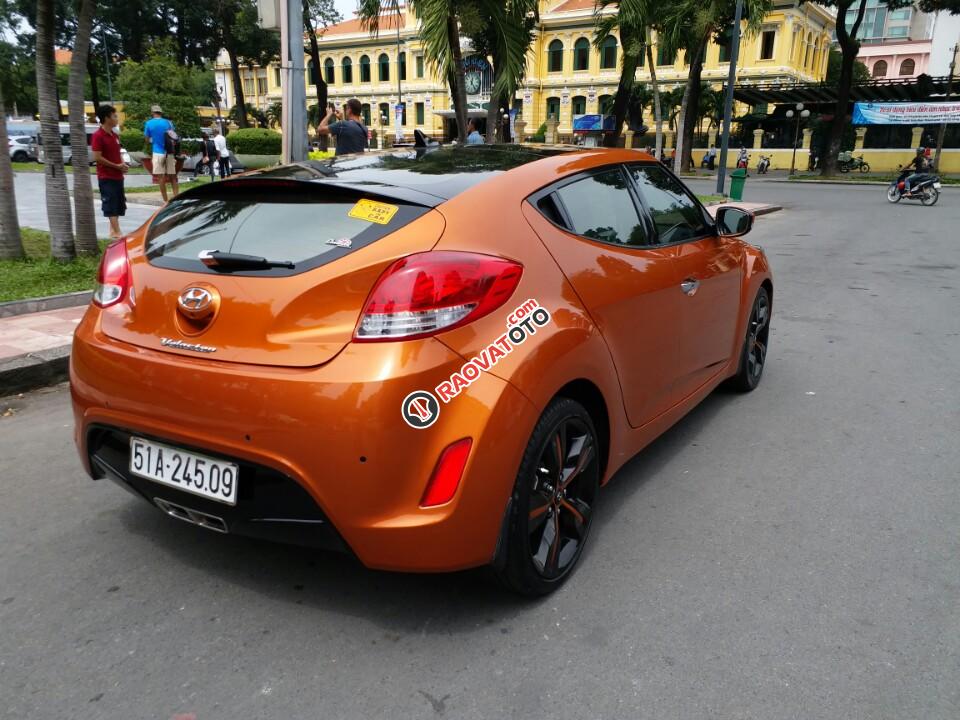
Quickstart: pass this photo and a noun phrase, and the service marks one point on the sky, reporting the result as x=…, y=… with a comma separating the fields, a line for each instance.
x=347, y=8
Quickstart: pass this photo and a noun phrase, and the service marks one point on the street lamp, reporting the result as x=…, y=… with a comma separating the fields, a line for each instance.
x=383, y=130
x=801, y=114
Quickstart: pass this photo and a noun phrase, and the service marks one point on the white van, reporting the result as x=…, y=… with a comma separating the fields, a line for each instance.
x=68, y=151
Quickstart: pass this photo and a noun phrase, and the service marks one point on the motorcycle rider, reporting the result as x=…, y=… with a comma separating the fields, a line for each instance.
x=920, y=164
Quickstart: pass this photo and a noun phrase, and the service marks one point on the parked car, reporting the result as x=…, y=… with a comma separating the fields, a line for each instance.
x=430, y=358
x=192, y=162
x=22, y=148
x=67, y=149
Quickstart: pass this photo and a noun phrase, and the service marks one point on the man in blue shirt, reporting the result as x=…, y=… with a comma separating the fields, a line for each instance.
x=473, y=135
x=164, y=164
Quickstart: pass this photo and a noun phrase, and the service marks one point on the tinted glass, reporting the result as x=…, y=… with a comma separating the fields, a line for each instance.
x=316, y=226
x=675, y=214
x=600, y=207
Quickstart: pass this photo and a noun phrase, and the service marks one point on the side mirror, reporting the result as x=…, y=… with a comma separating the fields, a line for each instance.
x=733, y=221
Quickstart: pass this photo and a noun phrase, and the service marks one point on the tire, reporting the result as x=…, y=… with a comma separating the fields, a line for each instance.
x=865, y=167
x=553, y=503
x=754, y=353
x=893, y=194
x=20, y=157
x=930, y=197
x=843, y=167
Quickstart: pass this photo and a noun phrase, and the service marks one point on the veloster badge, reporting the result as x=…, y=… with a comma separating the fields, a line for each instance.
x=181, y=345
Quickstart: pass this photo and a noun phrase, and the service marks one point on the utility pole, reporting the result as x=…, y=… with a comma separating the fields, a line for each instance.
x=943, y=126
x=106, y=60
x=398, y=112
x=293, y=88
x=728, y=100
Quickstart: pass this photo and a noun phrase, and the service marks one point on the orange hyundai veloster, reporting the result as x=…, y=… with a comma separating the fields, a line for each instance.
x=430, y=358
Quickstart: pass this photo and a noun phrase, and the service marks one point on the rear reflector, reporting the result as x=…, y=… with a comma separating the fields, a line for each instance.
x=422, y=294
x=113, y=275
x=446, y=476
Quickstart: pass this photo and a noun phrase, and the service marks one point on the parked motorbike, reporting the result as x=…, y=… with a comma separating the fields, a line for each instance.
x=847, y=163
x=743, y=161
x=925, y=188
x=763, y=165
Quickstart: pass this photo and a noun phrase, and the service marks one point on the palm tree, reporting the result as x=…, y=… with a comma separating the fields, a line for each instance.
x=274, y=114
x=657, y=105
x=86, y=224
x=631, y=18
x=440, y=35
x=59, y=216
x=11, y=246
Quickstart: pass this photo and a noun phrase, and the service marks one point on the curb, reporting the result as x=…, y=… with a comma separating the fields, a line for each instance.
x=875, y=183
x=34, y=370
x=51, y=302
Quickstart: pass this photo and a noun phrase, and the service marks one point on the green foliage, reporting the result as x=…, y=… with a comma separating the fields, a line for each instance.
x=39, y=275
x=274, y=114
x=258, y=116
x=18, y=78
x=160, y=79
x=834, y=60
x=254, y=141
x=133, y=140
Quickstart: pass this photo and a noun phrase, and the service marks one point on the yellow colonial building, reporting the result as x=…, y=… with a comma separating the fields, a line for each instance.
x=566, y=75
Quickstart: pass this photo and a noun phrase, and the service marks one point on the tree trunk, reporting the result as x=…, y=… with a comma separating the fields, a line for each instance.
x=657, y=112
x=625, y=85
x=92, y=74
x=849, y=47
x=693, y=106
x=11, y=246
x=59, y=216
x=459, y=91
x=684, y=121
x=86, y=222
x=321, y=83
x=241, y=102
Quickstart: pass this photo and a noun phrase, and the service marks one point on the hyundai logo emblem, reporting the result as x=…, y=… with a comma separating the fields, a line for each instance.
x=196, y=299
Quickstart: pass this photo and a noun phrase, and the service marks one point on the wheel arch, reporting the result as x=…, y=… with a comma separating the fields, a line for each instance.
x=589, y=395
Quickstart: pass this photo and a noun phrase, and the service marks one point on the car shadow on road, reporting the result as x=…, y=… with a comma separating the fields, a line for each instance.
x=402, y=602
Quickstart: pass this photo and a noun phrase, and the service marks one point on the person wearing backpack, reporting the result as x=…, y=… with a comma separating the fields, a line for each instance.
x=210, y=156
x=350, y=133
x=166, y=146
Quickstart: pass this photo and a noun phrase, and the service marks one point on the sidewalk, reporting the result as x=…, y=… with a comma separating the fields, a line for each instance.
x=35, y=348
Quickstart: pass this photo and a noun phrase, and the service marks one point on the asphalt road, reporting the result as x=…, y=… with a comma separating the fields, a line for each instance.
x=31, y=193
x=791, y=554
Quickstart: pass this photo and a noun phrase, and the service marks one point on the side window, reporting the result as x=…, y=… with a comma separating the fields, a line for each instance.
x=675, y=214
x=600, y=207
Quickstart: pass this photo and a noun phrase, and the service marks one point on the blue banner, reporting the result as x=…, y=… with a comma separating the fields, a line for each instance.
x=910, y=113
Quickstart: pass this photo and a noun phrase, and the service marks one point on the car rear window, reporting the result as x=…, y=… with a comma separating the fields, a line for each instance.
x=296, y=222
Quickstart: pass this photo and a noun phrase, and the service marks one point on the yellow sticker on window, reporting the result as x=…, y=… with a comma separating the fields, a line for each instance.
x=373, y=211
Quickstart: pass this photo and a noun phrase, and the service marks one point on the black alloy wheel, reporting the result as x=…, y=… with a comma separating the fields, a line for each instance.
x=754, y=355
x=552, y=507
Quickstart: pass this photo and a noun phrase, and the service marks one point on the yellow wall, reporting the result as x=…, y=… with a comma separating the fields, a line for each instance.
x=800, y=51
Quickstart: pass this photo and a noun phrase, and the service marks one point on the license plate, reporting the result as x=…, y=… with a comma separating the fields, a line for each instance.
x=187, y=471
x=937, y=185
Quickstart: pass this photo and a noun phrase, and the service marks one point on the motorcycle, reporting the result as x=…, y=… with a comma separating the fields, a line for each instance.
x=846, y=163
x=763, y=165
x=925, y=188
x=743, y=161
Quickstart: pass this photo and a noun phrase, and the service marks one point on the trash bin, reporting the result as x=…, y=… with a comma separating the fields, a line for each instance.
x=737, y=179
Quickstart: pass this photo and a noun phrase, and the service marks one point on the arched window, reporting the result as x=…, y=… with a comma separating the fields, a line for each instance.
x=606, y=104
x=402, y=66
x=328, y=71
x=553, y=108
x=578, y=106
x=365, y=113
x=880, y=69
x=608, y=54
x=346, y=71
x=807, y=47
x=364, y=68
x=385, y=113
x=383, y=63
x=555, y=56
x=312, y=73
x=581, y=54
x=908, y=67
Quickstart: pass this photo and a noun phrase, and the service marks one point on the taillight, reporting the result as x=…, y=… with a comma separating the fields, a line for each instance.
x=113, y=275
x=446, y=476
x=425, y=293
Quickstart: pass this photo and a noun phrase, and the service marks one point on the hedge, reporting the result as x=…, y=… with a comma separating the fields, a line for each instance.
x=133, y=140
x=254, y=141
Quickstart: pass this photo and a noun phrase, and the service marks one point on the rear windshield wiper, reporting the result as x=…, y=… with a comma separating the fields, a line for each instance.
x=219, y=260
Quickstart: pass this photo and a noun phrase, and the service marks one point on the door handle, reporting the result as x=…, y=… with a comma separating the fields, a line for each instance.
x=689, y=286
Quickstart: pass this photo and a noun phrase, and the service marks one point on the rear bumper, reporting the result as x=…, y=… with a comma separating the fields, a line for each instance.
x=332, y=438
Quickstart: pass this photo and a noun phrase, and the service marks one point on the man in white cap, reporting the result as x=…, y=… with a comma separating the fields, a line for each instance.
x=157, y=130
